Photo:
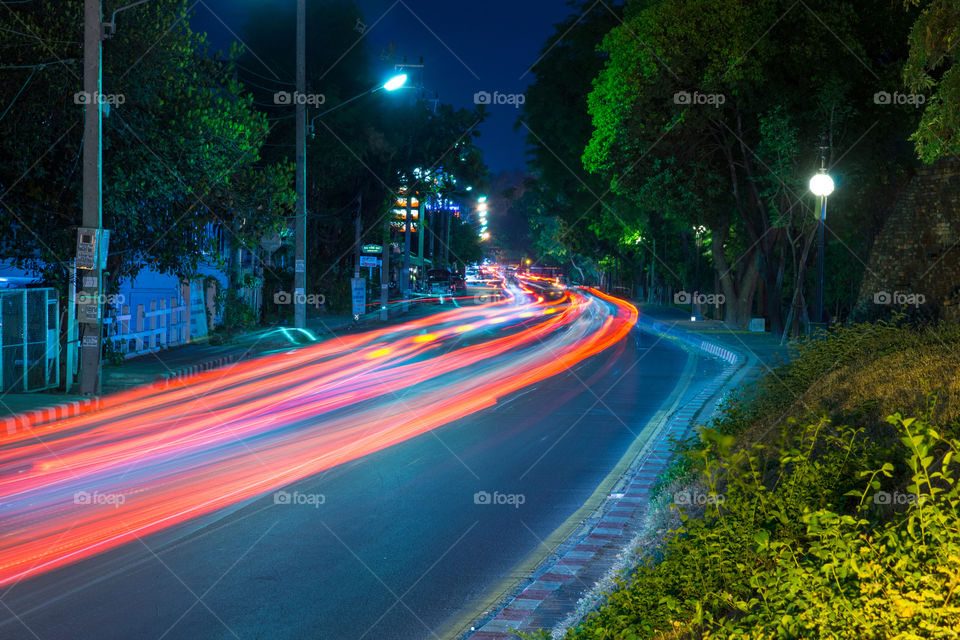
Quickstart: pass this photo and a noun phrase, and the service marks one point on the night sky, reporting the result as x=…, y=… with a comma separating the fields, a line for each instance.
x=467, y=47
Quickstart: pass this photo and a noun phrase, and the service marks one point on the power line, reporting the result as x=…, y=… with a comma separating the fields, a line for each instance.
x=260, y=75
x=40, y=65
x=12, y=102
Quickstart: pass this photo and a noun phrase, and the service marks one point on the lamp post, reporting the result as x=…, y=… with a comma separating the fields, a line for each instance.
x=821, y=185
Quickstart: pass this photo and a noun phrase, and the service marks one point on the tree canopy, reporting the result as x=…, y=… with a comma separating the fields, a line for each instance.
x=181, y=142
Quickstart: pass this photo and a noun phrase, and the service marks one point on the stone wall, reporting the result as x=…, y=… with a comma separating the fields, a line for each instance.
x=915, y=261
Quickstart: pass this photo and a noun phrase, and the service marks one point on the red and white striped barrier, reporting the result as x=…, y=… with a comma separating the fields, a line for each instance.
x=35, y=417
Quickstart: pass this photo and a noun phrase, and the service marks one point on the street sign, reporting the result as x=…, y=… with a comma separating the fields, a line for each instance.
x=369, y=261
x=372, y=248
x=358, y=289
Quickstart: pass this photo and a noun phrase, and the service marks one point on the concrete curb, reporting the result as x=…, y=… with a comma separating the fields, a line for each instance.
x=691, y=340
x=182, y=373
x=36, y=417
x=28, y=419
x=628, y=503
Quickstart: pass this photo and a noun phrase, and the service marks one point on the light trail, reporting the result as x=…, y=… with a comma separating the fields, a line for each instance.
x=153, y=458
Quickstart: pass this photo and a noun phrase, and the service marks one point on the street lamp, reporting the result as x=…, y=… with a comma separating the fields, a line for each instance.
x=821, y=185
x=394, y=83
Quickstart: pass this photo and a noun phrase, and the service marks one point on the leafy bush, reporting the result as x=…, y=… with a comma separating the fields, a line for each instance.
x=793, y=550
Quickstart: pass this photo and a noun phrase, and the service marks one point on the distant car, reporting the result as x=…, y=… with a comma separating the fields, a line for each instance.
x=439, y=282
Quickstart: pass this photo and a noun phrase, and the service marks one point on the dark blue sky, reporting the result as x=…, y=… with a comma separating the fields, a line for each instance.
x=467, y=47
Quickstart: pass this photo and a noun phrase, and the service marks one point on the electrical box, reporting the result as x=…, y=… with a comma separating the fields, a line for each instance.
x=92, y=248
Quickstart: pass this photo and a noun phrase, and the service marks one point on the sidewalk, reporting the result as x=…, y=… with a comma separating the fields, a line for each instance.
x=557, y=587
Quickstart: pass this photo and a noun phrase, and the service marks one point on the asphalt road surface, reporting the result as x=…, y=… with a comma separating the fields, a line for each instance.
x=406, y=537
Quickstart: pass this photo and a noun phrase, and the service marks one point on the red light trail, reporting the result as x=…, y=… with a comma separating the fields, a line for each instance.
x=151, y=458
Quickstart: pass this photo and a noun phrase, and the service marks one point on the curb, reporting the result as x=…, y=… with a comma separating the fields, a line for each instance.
x=28, y=419
x=628, y=502
x=694, y=341
x=36, y=417
x=182, y=373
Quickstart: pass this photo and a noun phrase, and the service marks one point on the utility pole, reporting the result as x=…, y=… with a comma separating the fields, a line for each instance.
x=385, y=272
x=407, y=225
x=432, y=231
x=300, y=258
x=357, y=234
x=92, y=197
x=448, y=220
x=421, y=230
x=358, y=285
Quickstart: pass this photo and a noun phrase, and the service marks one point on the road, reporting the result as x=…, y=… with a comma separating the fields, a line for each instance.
x=382, y=485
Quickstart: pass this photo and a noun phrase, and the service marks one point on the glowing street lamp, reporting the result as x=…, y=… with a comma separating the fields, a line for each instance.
x=394, y=83
x=821, y=185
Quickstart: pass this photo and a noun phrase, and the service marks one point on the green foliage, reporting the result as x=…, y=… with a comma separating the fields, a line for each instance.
x=465, y=246
x=771, y=78
x=236, y=315
x=930, y=71
x=806, y=544
x=181, y=143
x=564, y=202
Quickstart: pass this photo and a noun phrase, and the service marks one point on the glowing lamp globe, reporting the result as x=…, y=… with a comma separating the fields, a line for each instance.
x=821, y=185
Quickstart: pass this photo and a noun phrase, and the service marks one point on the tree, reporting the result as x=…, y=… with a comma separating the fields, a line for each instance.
x=703, y=116
x=930, y=70
x=181, y=142
x=561, y=196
